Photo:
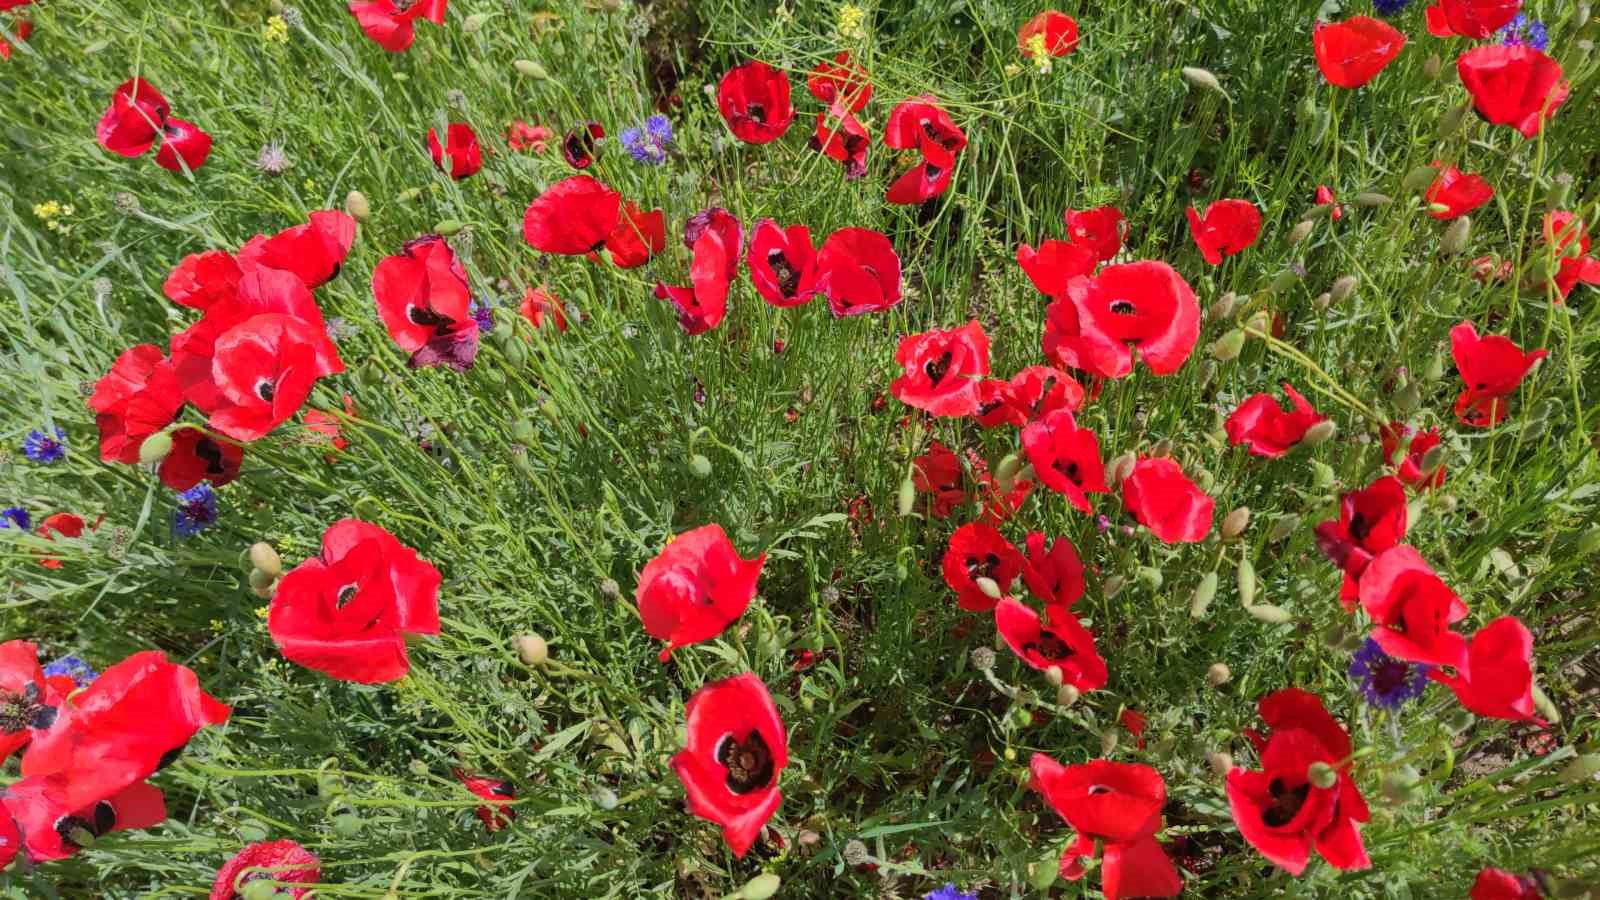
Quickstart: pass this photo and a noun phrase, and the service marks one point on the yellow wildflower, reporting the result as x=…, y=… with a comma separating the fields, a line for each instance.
x=851, y=18
x=276, y=31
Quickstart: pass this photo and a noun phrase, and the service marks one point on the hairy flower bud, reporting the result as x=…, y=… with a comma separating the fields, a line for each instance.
x=1234, y=523
x=982, y=659
x=532, y=649
x=266, y=559
x=1204, y=593
x=1218, y=674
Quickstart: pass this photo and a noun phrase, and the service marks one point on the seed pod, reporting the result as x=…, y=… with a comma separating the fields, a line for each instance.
x=1272, y=615
x=1432, y=66
x=1372, y=199
x=1234, y=523
x=449, y=227
x=1456, y=236
x=1419, y=178
x=1320, y=433
x=1218, y=675
x=1245, y=577
x=699, y=466
x=1067, y=695
x=1204, y=593
x=532, y=649
x=1283, y=527
x=1201, y=78
x=1221, y=763
x=906, y=497
x=266, y=559
x=1343, y=287
x=1322, y=775
x=530, y=69
x=1450, y=123
x=355, y=203
x=1228, y=346
x=1301, y=231
x=988, y=586
x=761, y=887
x=155, y=448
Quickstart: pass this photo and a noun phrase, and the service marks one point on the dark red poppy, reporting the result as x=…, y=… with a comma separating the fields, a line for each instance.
x=920, y=124
x=1495, y=678
x=281, y=861
x=137, y=398
x=1119, y=806
x=48, y=821
x=183, y=145
x=1352, y=53
x=1412, y=609
x=347, y=611
x=702, y=305
x=1491, y=367
x=391, y=24
x=754, y=100
x=1458, y=192
x=1059, y=643
x=1144, y=306
x=1409, y=467
x=29, y=699
x=22, y=29
x=1266, y=428
x=1054, y=575
x=521, y=136
x=130, y=125
x=264, y=369
x=1165, y=501
x=1498, y=884
x=1371, y=521
x=637, y=237
x=1056, y=33
x=1561, y=230
x=539, y=305
x=574, y=216
x=782, y=263
x=1325, y=197
x=196, y=456
x=1513, y=85
x=938, y=472
x=843, y=140
x=460, y=148
x=842, y=84
x=65, y=524
x=581, y=145
x=497, y=812
x=1278, y=810
x=1102, y=230
x=1066, y=458
x=858, y=271
x=736, y=750
x=1054, y=264
x=1228, y=227
x=422, y=298
x=695, y=588
x=313, y=252
x=941, y=370
x=978, y=551
x=203, y=279
x=1476, y=19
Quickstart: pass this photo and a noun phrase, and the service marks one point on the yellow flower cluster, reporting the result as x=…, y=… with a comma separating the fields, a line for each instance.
x=276, y=31
x=52, y=214
x=1037, y=52
x=851, y=19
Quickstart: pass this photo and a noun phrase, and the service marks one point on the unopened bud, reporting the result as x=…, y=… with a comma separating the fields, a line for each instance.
x=1282, y=527
x=530, y=69
x=1066, y=695
x=1112, y=586
x=699, y=466
x=1245, y=576
x=1201, y=78
x=347, y=825
x=532, y=649
x=906, y=498
x=1121, y=467
x=1419, y=178
x=1320, y=433
x=1589, y=542
x=1108, y=741
x=855, y=853
x=1218, y=675
x=1228, y=346
x=1323, y=300
x=1456, y=236
x=1306, y=109
x=474, y=22
x=1006, y=471
x=1343, y=287
x=448, y=227
x=1450, y=123
x=261, y=581
x=1150, y=577
x=988, y=586
x=1433, y=459
x=356, y=204
x=1283, y=283
x=1054, y=676
x=1438, y=208
x=1270, y=614
x=408, y=195
x=1546, y=708
x=155, y=448
x=1372, y=199
x=266, y=559
x=1204, y=593
x=1432, y=66
x=761, y=887
x=1322, y=775
x=1234, y=523
x=1301, y=231
x=1221, y=763
x=1222, y=308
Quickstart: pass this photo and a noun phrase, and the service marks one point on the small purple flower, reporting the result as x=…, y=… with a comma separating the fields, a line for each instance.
x=482, y=313
x=1523, y=30
x=197, y=510
x=949, y=892
x=1389, y=7
x=1387, y=682
x=73, y=667
x=651, y=143
x=15, y=514
x=1102, y=522
x=40, y=447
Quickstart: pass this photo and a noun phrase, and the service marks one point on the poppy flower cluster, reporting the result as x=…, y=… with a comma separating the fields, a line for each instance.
x=138, y=117
x=581, y=216
x=423, y=300
x=392, y=24
x=459, y=156
x=1115, y=808
x=1569, y=242
x=1492, y=367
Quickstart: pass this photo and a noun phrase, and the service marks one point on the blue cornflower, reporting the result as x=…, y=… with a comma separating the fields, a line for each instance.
x=42, y=448
x=197, y=509
x=482, y=313
x=651, y=143
x=949, y=892
x=73, y=667
x=17, y=515
x=1523, y=30
x=1389, y=7
x=1387, y=682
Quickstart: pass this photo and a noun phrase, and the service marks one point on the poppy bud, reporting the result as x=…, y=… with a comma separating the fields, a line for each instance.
x=1306, y=109
x=1452, y=119
x=1121, y=467
x=1439, y=208
x=1222, y=308
x=1419, y=178
x=1150, y=577
x=259, y=889
x=1204, y=593
x=530, y=68
x=989, y=586
x=1024, y=719
x=1343, y=287
x=1557, y=198
x=522, y=431
x=474, y=22
x=1228, y=346
x=1546, y=708
x=699, y=466
x=1234, y=523
x=1320, y=433
x=1283, y=282
x=1322, y=775
x=855, y=853
x=982, y=659
x=1054, y=676
x=604, y=797
x=266, y=559
x=907, y=497
x=1283, y=527
x=261, y=581
x=1201, y=78
x=1108, y=741
x=1301, y=231
x=1218, y=675
x=532, y=649
x=355, y=203
x=155, y=448
x=1372, y=198
x=1221, y=763
x=1432, y=66
x=1272, y=615
x=408, y=195
x=1455, y=237
x=1005, y=472
x=448, y=227
x=347, y=825
x=1245, y=576
x=1208, y=371
x=1432, y=459
x=761, y=887
x=1067, y=695
x=1163, y=447
x=1112, y=586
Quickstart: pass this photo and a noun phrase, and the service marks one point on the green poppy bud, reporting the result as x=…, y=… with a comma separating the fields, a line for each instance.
x=1400, y=785
x=1437, y=208
x=1204, y=593
x=1306, y=109
x=1067, y=695
x=448, y=227
x=1228, y=346
x=1218, y=674
x=906, y=497
x=1112, y=586
x=355, y=203
x=1245, y=577
x=532, y=649
x=1343, y=287
x=1321, y=474
x=1419, y=178
x=266, y=559
x=1221, y=763
x=1201, y=78
x=347, y=825
x=155, y=448
x=1322, y=775
x=408, y=195
x=1222, y=308
x=519, y=459
x=1270, y=614
x=1584, y=768
x=761, y=887
x=1301, y=231
x=1283, y=527
x=530, y=69
x=1284, y=282
x=1108, y=741
x=1054, y=676
x=1433, y=459
x=1163, y=447
x=1320, y=433
x=523, y=432
x=1546, y=708
x=260, y=889
x=1450, y=123
x=1043, y=873
x=1432, y=66
x=1456, y=236
x=1435, y=368
x=699, y=466
x=1006, y=471
x=1320, y=125
x=1121, y=466
x=1370, y=199
x=1150, y=577
x=1234, y=523
x=261, y=581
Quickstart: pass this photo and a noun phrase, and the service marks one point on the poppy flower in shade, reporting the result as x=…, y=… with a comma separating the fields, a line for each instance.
x=1387, y=682
x=422, y=294
x=1476, y=19
x=842, y=84
x=843, y=140
x=1495, y=679
x=65, y=524
x=1054, y=264
x=1118, y=805
x=1561, y=230
x=1101, y=229
x=391, y=24
x=203, y=279
x=637, y=237
x=22, y=28
x=581, y=144
x=1059, y=643
x=1513, y=85
x=29, y=699
x=281, y=861
x=1065, y=457
x=346, y=612
x=1371, y=521
x=137, y=398
x=938, y=472
x=1000, y=505
x=1492, y=368
x=782, y=263
x=264, y=369
x=324, y=425
x=183, y=145
x=130, y=125
x=1409, y=467
x=1135, y=722
x=920, y=124
x=1266, y=428
x=538, y=305
x=858, y=271
x=695, y=588
x=313, y=252
x=1352, y=53
x=1324, y=197
x=521, y=136
x=196, y=456
x=1412, y=609
x=1037, y=391
x=497, y=812
x=1228, y=227
x=1278, y=810
x=49, y=822
x=460, y=148
x=1165, y=501
x=1498, y=884
x=978, y=551
x=1051, y=32
x=703, y=304
x=1144, y=306
x=941, y=369
x=754, y=100
x=1054, y=575
x=1458, y=192
x=736, y=750
x=572, y=217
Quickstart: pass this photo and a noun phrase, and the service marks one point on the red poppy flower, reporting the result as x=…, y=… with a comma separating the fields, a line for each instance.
x=941, y=369
x=938, y=472
x=1324, y=197
x=497, y=812
x=1476, y=19
x=65, y=524
x=1497, y=884
x=637, y=237
x=695, y=588
x=1513, y=85
x=29, y=700
x=347, y=611
x=521, y=136
x=1101, y=229
x=1054, y=575
x=858, y=271
x=133, y=121
x=736, y=751
x=281, y=861
x=1352, y=53
x=1165, y=501
x=1066, y=458
x=997, y=405
x=391, y=24
x=843, y=140
x=703, y=304
x=196, y=456
x=203, y=279
x=1495, y=678
x=1492, y=367
x=1409, y=467
x=22, y=28
x=1054, y=264
x=581, y=144
x=842, y=84
x=460, y=147
x=264, y=369
x=324, y=425
x=1059, y=31
x=1371, y=521
x=1135, y=722
x=422, y=294
x=754, y=100
x=782, y=263
x=48, y=821
x=1037, y=391
x=10, y=837
x=1229, y=226
x=574, y=216
x=1561, y=229
x=1061, y=643
x=1118, y=805
x=183, y=141
x=1412, y=609
x=920, y=124
x=137, y=398
x=539, y=304
x=1278, y=810
x=1266, y=428
x=1144, y=306
x=978, y=551
x=313, y=252
x=1458, y=192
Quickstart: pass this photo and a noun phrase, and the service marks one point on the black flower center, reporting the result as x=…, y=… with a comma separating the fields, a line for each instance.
x=1286, y=803
x=758, y=112
x=1069, y=468
x=1123, y=307
x=422, y=315
x=1049, y=646
x=936, y=369
x=985, y=567
x=788, y=279
x=23, y=710
x=1359, y=528
x=266, y=390
x=211, y=452
x=346, y=594
x=749, y=762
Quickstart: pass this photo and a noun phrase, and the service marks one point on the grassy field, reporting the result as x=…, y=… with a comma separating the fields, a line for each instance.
x=542, y=480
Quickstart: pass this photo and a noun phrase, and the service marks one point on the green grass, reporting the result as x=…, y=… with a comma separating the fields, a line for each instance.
x=554, y=471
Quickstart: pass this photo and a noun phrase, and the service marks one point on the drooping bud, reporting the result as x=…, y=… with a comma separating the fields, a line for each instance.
x=1228, y=346
x=1283, y=283
x=1005, y=472
x=1150, y=577
x=1271, y=614
x=1407, y=397
x=1108, y=741
x=1343, y=287
x=1282, y=527
x=448, y=227
x=1221, y=763
x=1399, y=785
x=1201, y=78
x=530, y=69
x=1589, y=542
x=982, y=659
x=699, y=466
x=1204, y=593
x=1112, y=586
x=988, y=586
x=1222, y=308
x=1121, y=467
x=266, y=559
x=261, y=581
x=1245, y=576
x=1584, y=768
x=474, y=23
x=408, y=195
x=356, y=204
x=1546, y=708
x=1320, y=433
x=1560, y=189
x=347, y=825
x=532, y=649
x=1419, y=178
x=1218, y=675
x=155, y=448
x=1066, y=695
x=906, y=497
x=1321, y=474
x=1322, y=775
x=1054, y=676
x=1456, y=236
x=1372, y=199
x=1301, y=231
x=1234, y=523
x=1433, y=459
